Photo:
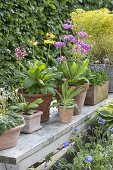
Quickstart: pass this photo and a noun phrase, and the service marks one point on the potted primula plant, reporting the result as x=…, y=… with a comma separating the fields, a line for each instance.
x=74, y=73
x=32, y=117
x=98, y=86
x=66, y=102
x=39, y=82
x=99, y=25
x=72, y=50
x=10, y=123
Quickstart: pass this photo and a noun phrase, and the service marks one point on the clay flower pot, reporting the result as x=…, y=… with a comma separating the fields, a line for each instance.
x=79, y=99
x=9, y=138
x=96, y=94
x=44, y=106
x=66, y=115
x=32, y=122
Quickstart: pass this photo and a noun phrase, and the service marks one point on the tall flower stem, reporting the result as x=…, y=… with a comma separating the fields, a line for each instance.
x=48, y=54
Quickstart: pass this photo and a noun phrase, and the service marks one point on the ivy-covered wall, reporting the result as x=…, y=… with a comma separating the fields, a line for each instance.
x=20, y=20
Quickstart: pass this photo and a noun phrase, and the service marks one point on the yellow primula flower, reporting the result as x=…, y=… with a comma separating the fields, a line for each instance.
x=52, y=35
x=47, y=34
x=46, y=41
x=30, y=42
x=52, y=42
x=35, y=43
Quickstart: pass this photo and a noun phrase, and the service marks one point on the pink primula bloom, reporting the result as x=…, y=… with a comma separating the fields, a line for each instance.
x=20, y=53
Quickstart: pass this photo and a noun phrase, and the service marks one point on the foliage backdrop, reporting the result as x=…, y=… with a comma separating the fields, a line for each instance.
x=22, y=20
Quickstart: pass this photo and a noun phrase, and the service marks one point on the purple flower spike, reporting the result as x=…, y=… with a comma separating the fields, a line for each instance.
x=75, y=130
x=70, y=38
x=59, y=165
x=59, y=44
x=65, y=144
x=61, y=58
x=82, y=34
x=89, y=159
x=67, y=26
x=101, y=121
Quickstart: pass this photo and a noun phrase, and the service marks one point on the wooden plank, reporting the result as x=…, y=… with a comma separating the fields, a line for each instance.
x=30, y=144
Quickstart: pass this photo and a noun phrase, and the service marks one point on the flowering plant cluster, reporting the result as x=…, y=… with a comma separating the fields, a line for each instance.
x=99, y=25
x=72, y=46
x=20, y=53
x=90, y=149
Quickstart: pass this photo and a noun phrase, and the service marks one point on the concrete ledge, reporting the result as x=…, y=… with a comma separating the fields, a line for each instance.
x=32, y=148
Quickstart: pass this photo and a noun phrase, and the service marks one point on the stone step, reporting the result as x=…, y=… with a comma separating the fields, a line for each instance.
x=32, y=148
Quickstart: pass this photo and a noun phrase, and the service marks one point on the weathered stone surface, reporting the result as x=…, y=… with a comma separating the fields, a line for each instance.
x=32, y=147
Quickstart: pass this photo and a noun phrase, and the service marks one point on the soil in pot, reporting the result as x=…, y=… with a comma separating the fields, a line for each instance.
x=44, y=106
x=32, y=122
x=66, y=115
x=9, y=138
x=96, y=94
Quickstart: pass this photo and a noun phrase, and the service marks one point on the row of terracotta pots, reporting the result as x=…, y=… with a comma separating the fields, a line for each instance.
x=32, y=123
x=91, y=96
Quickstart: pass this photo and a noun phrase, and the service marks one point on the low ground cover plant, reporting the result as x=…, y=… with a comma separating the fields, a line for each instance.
x=90, y=149
x=8, y=118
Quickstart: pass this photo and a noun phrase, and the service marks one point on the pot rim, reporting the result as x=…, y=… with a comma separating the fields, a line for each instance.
x=38, y=113
x=14, y=129
x=68, y=107
x=35, y=95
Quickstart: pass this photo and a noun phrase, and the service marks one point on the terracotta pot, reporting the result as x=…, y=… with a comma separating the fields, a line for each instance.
x=96, y=94
x=65, y=115
x=32, y=122
x=79, y=99
x=44, y=106
x=9, y=138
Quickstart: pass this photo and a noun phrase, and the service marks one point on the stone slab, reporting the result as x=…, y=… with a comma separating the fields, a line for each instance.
x=33, y=144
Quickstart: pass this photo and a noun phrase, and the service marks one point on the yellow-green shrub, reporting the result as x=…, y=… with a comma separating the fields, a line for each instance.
x=99, y=25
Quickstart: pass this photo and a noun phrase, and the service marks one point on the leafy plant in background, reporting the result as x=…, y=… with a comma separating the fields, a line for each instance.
x=99, y=25
x=73, y=72
x=95, y=4
x=96, y=77
x=38, y=78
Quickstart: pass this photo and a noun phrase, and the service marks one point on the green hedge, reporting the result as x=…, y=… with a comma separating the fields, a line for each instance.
x=21, y=20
